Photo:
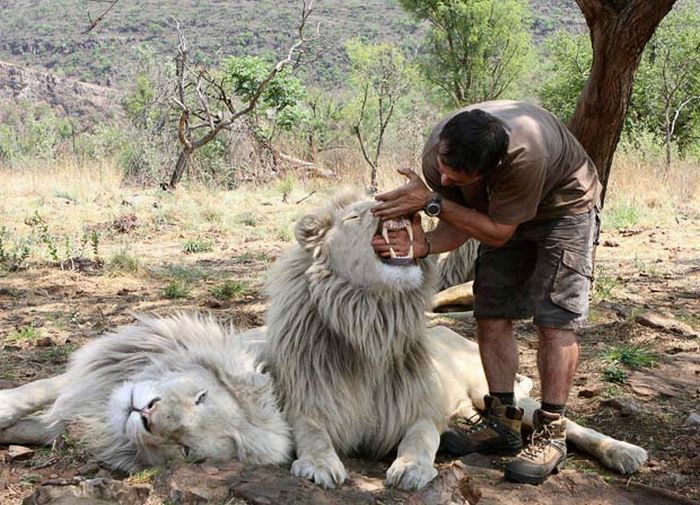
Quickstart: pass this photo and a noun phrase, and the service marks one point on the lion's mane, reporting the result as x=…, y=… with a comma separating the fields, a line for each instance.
x=351, y=357
x=147, y=351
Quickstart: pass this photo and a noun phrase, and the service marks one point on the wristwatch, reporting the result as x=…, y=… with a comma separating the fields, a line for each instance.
x=434, y=205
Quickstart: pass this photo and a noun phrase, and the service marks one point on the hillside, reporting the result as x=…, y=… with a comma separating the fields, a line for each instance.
x=47, y=34
x=64, y=95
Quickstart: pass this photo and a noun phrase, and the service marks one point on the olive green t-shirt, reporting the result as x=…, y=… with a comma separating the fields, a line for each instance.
x=545, y=174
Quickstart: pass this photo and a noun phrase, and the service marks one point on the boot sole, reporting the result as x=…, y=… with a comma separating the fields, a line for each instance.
x=531, y=479
x=456, y=449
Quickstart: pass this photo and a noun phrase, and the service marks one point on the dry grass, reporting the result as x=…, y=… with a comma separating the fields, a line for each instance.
x=642, y=192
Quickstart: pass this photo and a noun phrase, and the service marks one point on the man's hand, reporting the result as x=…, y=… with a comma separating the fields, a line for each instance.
x=400, y=242
x=405, y=200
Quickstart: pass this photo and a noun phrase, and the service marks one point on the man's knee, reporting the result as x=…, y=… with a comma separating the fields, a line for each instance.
x=494, y=328
x=558, y=336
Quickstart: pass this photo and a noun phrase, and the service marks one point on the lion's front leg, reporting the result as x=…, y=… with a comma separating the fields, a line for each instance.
x=316, y=456
x=25, y=400
x=413, y=467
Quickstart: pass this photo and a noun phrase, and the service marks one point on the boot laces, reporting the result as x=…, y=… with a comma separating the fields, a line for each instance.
x=477, y=422
x=539, y=441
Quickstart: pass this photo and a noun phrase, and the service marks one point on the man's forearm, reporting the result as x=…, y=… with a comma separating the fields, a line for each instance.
x=471, y=223
x=444, y=238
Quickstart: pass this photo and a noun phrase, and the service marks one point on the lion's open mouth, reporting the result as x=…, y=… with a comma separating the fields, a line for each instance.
x=400, y=223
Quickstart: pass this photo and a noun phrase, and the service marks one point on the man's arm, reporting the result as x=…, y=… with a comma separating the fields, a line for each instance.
x=472, y=223
x=412, y=196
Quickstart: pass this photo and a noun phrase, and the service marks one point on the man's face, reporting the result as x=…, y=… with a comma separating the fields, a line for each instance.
x=450, y=177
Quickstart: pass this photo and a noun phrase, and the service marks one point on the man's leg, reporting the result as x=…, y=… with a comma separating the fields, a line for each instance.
x=557, y=357
x=499, y=353
x=498, y=429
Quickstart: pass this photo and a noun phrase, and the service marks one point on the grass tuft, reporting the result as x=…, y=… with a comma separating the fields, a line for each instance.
x=176, y=289
x=123, y=262
x=631, y=356
x=197, y=245
x=228, y=290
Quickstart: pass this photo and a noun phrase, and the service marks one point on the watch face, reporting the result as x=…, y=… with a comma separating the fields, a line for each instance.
x=433, y=208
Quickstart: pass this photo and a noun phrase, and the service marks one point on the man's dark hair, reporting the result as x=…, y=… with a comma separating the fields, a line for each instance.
x=473, y=142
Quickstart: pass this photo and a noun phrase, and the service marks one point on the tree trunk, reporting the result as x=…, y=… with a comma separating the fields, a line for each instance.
x=180, y=167
x=619, y=31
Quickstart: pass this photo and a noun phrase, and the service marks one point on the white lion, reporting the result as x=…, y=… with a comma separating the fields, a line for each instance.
x=162, y=389
x=358, y=373
x=356, y=369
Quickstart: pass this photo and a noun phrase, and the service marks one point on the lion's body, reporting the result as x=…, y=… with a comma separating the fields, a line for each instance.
x=457, y=267
x=158, y=358
x=356, y=371
x=356, y=368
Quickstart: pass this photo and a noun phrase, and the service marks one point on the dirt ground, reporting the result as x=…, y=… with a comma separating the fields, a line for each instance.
x=647, y=298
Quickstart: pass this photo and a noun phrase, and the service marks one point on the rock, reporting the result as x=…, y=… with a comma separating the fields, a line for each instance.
x=452, y=486
x=90, y=468
x=92, y=491
x=590, y=392
x=693, y=419
x=19, y=453
x=213, y=304
x=611, y=243
x=625, y=405
x=44, y=342
x=659, y=322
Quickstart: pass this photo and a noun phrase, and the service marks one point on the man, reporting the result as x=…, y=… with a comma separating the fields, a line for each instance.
x=510, y=175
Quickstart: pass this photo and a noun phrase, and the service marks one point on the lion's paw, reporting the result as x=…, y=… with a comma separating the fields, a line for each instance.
x=410, y=475
x=623, y=457
x=8, y=415
x=327, y=472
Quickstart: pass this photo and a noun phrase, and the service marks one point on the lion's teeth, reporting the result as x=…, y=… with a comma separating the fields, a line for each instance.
x=393, y=253
x=410, y=251
x=385, y=234
x=409, y=228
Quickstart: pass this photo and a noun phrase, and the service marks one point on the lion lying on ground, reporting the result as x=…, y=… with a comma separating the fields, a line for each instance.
x=162, y=389
x=358, y=373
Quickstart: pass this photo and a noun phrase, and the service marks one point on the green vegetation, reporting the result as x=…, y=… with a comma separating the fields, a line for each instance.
x=197, y=245
x=227, y=290
x=620, y=358
x=123, y=262
x=24, y=334
x=176, y=289
x=665, y=99
x=631, y=356
x=621, y=213
x=475, y=49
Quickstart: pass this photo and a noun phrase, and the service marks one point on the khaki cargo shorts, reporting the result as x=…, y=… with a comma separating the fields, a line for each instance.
x=544, y=271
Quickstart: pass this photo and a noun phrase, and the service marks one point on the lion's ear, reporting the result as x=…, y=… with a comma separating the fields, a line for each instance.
x=311, y=230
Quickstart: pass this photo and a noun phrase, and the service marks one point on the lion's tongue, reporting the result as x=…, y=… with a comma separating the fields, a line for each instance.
x=398, y=224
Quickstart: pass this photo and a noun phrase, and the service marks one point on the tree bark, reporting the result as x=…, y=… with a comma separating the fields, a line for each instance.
x=180, y=167
x=619, y=31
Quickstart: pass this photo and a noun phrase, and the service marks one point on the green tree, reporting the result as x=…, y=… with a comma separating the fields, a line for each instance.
x=475, y=49
x=666, y=95
x=380, y=77
x=567, y=62
x=279, y=106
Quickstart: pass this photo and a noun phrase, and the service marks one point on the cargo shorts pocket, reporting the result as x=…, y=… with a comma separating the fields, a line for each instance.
x=572, y=282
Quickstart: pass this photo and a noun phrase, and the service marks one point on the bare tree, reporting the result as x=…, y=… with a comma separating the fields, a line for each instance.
x=381, y=75
x=207, y=107
x=619, y=30
x=93, y=22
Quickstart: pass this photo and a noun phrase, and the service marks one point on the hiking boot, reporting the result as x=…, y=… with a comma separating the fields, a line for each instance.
x=495, y=431
x=546, y=452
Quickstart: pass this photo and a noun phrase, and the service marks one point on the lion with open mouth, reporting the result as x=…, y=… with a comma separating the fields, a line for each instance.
x=353, y=369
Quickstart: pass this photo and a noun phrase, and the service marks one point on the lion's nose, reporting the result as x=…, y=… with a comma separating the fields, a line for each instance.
x=147, y=412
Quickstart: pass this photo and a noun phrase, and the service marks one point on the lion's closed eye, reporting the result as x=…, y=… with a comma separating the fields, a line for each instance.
x=350, y=217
